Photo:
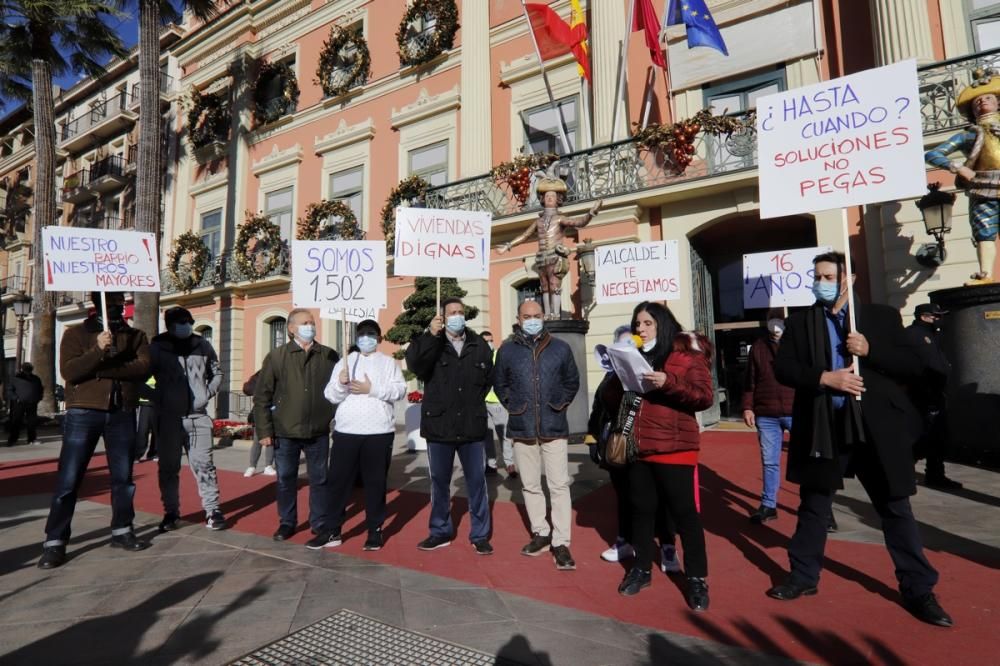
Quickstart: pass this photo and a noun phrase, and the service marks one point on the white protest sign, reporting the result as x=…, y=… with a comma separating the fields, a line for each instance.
x=844, y=142
x=81, y=259
x=782, y=278
x=634, y=272
x=353, y=314
x=338, y=274
x=442, y=243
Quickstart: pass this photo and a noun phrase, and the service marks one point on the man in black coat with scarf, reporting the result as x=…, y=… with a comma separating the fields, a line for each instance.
x=834, y=435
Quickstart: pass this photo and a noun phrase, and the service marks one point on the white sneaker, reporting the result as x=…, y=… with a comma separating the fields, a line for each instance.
x=250, y=472
x=618, y=552
x=34, y=442
x=668, y=560
x=270, y=471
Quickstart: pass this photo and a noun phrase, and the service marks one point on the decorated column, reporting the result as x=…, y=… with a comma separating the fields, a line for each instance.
x=902, y=30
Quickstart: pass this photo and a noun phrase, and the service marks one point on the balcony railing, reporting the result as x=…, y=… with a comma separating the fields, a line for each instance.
x=109, y=166
x=97, y=114
x=167, y=87
x=14, y=284
x=224, y=270
x=940, y=83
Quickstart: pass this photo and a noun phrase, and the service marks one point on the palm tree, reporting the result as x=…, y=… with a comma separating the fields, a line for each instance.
x=40, y=39
x=153, y=14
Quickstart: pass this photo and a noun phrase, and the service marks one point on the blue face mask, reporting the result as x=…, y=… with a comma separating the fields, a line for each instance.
x=455, y=324
x=825, y=292
x=367, y=343
x=307, y=332
x=532, y=326
x=181, y=331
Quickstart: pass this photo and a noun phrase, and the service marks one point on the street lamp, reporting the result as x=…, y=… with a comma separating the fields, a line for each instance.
x=935, y=207
x=22, y=308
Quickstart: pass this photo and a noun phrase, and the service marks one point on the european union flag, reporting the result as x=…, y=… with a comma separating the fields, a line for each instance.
x=701, y=28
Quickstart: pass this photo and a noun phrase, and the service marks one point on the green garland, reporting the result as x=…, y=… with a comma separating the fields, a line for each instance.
x=208, y=119
x=676, y=140
x=260, y=229
x=409, y=189
x=268, y=109
x=517, y=173
x=443, y=38
x=312, y=226
x=329, y=60
x=185, y=244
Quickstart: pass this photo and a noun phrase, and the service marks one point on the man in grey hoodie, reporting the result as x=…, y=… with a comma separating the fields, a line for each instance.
x=187, y=375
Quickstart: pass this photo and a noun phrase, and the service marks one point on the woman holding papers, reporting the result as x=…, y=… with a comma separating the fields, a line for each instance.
x=667, y=440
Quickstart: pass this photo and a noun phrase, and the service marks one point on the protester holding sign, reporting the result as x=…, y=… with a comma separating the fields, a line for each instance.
x=103, y=367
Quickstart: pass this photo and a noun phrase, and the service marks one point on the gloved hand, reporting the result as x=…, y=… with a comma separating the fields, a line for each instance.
x=592, y=448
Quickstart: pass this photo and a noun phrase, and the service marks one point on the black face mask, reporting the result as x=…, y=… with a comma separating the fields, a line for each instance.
x=115, y=313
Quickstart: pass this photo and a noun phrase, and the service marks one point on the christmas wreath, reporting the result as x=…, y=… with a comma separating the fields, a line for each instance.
x=411, y=189
x=257, y=236
x=339, y=70
x=419, y=46
x=314, y=225
x=270, y=104
x=189, y=277
x=517, y=173
x=676, y=140
x=207, y=119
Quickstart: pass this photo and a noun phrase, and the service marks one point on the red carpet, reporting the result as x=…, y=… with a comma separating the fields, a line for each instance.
x=856, y=618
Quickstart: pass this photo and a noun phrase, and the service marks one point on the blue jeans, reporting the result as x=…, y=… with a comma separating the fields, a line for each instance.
x=82, y=428
x=286, y=459
x=769, y=432
x=441, y=459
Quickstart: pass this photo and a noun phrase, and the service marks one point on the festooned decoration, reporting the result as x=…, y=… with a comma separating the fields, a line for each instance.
x=418, y=45
x=208, y=118
x=258, y=247
x=275, y=92
x=315, y=226
x=516, y=173
x=412, y=190
x=189, y=245
x=344, y=62
x=676, y=141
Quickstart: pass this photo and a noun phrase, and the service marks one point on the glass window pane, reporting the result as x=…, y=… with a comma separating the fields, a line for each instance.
x=988, y=34
x=424, y=158
x=985, y=4
x=345, y=181
x=726, y=104
x=278, y=199
x=542, y=132
x=753, y=95
x=277, y=332
x=211, y=220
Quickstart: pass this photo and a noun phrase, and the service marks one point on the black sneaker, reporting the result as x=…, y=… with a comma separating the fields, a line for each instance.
x=434, y=542
x=634, y=581
x=928, y=609
x=170, y=522
x=283, y=533
x=763, y=514
x=483, y=547
x=324, y=540
x=537, y=545
x=52, y=557
x=374, y=540
x=216, y=521
x=129, y=542
x=564, y=561
x=941, y=483
x=697, y=594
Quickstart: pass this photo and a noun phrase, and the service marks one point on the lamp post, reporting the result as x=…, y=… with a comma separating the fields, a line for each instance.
x=22, y=308
x=935, y=207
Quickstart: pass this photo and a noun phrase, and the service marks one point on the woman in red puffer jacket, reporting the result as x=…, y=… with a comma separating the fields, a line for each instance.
x=668, y=437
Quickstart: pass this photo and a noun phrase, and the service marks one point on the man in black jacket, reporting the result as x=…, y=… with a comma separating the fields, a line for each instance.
x=24, y=396
x=835, y=435
x=456, y=367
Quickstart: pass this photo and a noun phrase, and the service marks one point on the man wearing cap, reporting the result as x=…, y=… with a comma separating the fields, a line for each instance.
x=928, y=394
x=103, y=369
x=187, y=374
x=979, y=172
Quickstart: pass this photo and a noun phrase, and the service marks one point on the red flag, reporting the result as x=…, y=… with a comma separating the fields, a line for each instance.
x=645, y=20
x=555, y=37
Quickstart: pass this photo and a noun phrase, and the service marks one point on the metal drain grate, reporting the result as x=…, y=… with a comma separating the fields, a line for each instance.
x=351, y=639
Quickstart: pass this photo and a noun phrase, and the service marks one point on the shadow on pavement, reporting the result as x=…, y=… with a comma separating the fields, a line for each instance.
x=518, y=651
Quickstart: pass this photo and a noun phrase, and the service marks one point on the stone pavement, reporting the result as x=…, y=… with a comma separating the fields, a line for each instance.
x=211, y=597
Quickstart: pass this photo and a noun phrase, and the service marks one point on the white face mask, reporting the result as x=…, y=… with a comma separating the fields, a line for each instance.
x=649, y=346
x=367, y=343
x=306, y=332
x=775, y=327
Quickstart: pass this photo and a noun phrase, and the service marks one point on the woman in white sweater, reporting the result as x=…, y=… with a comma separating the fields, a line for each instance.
x=364, y=385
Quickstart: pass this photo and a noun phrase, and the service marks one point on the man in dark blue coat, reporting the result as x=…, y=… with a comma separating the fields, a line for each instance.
x=456, y=367
x=536, y=379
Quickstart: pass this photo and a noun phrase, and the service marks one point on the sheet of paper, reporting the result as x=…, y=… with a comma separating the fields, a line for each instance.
x=630, y=366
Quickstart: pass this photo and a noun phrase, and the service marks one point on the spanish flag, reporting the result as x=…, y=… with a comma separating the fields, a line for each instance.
x=555, y=37
x=583, y=56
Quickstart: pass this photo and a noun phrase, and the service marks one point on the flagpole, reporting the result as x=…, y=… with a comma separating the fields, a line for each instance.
x=666, y=51
x=622, y=56
x=545, y=80
x=647, y=105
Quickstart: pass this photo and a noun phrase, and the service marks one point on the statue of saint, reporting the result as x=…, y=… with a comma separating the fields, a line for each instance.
x=979, y=173
x=552, y=259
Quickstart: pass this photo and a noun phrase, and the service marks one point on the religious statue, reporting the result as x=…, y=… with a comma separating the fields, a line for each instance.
x=552, y=258
x=979, y=173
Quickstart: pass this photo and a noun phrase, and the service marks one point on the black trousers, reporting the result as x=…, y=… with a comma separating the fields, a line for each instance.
x=23, y=414
x=146, y=427
x=914, y=573
x=348, y=454
x=664, y=525
x=934, y=443
x=653, y=485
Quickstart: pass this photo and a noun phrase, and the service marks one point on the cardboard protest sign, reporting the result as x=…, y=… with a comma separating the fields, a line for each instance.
x=634, y=272
x=354, y=314
x=338, y=274
x=844, y=142
x=82, y=259
x=782, y=278
x=442, y=243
